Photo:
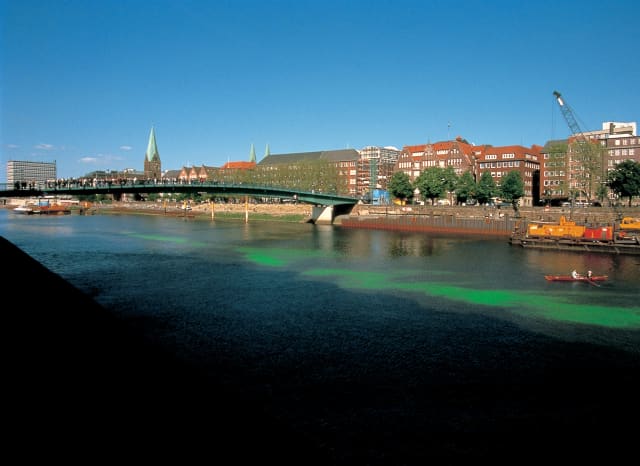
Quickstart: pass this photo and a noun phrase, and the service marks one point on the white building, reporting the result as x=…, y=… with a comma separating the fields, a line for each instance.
x=24, y=174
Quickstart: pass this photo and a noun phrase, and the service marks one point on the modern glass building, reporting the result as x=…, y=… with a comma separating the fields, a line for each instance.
x=23, y=174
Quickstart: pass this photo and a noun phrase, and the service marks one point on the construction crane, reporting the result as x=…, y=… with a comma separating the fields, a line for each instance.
x=586, y=167
x=568, y=115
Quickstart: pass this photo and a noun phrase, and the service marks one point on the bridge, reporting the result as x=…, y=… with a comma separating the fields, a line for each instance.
x=326, y=207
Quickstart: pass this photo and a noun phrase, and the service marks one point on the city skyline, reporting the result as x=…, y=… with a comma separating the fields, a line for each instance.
x=84, y=82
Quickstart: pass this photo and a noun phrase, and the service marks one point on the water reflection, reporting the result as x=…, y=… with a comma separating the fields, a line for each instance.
x=483, y=276
x=562, y=262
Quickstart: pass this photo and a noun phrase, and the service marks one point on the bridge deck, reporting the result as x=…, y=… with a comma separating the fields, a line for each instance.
x=225, y=189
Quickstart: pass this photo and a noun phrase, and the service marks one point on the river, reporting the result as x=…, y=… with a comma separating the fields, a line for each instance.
x=356, y=337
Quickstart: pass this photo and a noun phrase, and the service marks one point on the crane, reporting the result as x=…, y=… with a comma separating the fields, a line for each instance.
x=567, y=113
x=587, y=164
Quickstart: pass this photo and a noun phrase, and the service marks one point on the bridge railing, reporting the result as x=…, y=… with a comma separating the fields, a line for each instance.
x=101, y=186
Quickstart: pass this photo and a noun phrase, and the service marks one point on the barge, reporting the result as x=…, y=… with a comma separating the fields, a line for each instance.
x=568, y=236
x=568, y=244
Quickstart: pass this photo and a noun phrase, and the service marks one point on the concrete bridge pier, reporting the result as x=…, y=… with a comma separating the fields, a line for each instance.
x=322, y=215
x=326, y=214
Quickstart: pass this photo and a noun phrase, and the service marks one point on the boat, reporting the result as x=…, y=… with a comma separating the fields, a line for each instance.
x=23, y=209
x=51, y=210
x=579, y=278
x=566, y=235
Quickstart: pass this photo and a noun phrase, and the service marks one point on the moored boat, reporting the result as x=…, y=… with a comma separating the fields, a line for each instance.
x=51, y=209
x=23, y=209
x=568, y=236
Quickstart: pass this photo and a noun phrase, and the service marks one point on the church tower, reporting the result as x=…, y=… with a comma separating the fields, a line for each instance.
x=152, y=164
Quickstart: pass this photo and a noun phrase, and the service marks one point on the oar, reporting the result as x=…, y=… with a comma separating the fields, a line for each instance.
x=593, y=282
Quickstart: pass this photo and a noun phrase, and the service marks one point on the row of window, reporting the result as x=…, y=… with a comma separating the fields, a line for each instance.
x=622, y=152
x=495, y=157
x=627, y=141
x=515, y=163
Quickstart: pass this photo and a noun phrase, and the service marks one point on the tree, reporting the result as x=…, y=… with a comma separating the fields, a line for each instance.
x=450, y=179
x=399, y=186
x=466, y=187
x=432, y=183
x=624, y=180
x=486, y=188
x=512, y=188
x=601, y=193
x=586, y=166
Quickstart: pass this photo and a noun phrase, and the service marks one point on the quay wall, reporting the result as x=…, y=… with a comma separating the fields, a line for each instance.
x=434, y=223
x=473, y=220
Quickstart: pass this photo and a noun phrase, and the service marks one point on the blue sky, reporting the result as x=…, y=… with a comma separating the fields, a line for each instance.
x=83, y=81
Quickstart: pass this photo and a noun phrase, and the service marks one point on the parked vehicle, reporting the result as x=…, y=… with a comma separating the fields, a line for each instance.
x=630, y=224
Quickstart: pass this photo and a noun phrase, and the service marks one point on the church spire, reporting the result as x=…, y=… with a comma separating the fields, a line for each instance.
x=267, y=153
x=152, y=164
x=252, y=154
x=152, y=149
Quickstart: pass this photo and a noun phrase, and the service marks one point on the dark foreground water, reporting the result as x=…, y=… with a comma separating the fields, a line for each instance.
x=365, y=341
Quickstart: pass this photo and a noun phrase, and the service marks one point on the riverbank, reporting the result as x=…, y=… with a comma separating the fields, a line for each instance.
x=230, y=211
x=300, y=212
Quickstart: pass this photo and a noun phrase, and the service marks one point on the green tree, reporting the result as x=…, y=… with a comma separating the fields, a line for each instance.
x=512, y=188
x=399, y=186
x=486, y=188
x=624, y=180
x=432, y=183
x=601, y=193
x=466, y=187
x=450, y=180
x=588, y=172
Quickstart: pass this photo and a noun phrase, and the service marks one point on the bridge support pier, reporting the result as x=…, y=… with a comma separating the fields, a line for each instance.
x=322, y=215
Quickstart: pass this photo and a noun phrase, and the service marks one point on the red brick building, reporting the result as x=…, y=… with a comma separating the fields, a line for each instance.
x=464, y=157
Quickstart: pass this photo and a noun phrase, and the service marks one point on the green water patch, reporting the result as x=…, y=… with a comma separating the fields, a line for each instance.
x=528, y=304
x=606, y=316
x=356, y=279
x=166, y=239
x=278, y=257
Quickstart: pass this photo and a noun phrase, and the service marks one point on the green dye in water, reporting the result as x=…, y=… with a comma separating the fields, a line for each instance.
x=521, y=303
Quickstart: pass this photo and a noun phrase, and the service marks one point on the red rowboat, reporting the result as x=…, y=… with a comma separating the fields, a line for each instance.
x=579, y=278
